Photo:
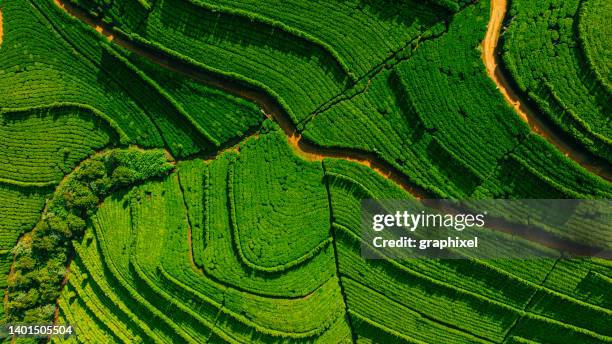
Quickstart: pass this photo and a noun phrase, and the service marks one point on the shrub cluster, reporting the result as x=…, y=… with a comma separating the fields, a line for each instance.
x=42, y=254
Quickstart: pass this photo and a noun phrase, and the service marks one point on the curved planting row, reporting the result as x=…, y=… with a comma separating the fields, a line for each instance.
x=141, y=238
x=223, y=250
x=389, y=298
x=224, y=117
x=42, y=145
x=210, y=302
x=442, y=123
x=40, y=67
x=243, y=48
x=70, y=65
x=41, y=255
x=20, y=209
x=269, y=188
x=362, y=34
x=593, y=37
x=545, y=59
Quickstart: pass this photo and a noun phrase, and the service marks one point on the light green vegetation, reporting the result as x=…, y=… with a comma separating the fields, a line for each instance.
x=442, y=122
x=302, y=61
x=268, y=187
x=136, y=275
x=140, y=246
x=242, y=240
x=449, y=300
x=19, y=211
x=594, y=36
x=65, y=62
x=41, y=255
x=40, y=146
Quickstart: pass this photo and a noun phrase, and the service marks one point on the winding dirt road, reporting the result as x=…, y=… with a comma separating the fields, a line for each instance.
x=491, y=55
x=312, y=152
x=269, y=106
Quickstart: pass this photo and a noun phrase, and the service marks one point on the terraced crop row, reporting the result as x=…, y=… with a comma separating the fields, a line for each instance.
x=40, y=146
x=70, y=64
x=255, y=244
x=139, y=245
x=296, y=60
x=593, y=34
x=377, y=29
x=392, y=299
x=41, y=255
x=20, y=209
x=442, y=123
x=543, y=53
x=244, y=48
x=268, y=187
x=221, y=300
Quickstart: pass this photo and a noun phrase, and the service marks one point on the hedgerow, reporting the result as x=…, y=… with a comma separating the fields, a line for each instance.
x=88, y=301
x=263, y=311
x=41, y=255
x=162, y=269
x=182, y=135
x=582, y=279
x=19, y=211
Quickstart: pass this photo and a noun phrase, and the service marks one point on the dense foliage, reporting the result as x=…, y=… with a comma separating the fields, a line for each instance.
x=441, y=121
x=554, y=57
x=138, y=269
x=252, y=237
x=41, y=255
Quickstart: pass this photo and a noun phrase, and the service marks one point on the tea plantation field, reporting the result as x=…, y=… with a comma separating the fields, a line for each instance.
x=192, y=171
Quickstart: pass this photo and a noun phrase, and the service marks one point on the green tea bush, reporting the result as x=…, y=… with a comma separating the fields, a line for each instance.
x=41, y=255
x=542, y=51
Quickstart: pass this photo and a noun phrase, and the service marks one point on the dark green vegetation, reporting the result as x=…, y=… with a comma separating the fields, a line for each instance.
x=558, y=53
x=136, y=276
x=42, y=254
x=442, y=122
x=245, y=241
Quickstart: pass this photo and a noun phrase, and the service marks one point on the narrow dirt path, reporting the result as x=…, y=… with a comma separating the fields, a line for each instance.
x=489, y=45
x=269, y=106
x=310, y=151
x=491, y=55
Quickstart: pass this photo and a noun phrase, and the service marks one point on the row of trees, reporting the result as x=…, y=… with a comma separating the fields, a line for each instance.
x=41, y=255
